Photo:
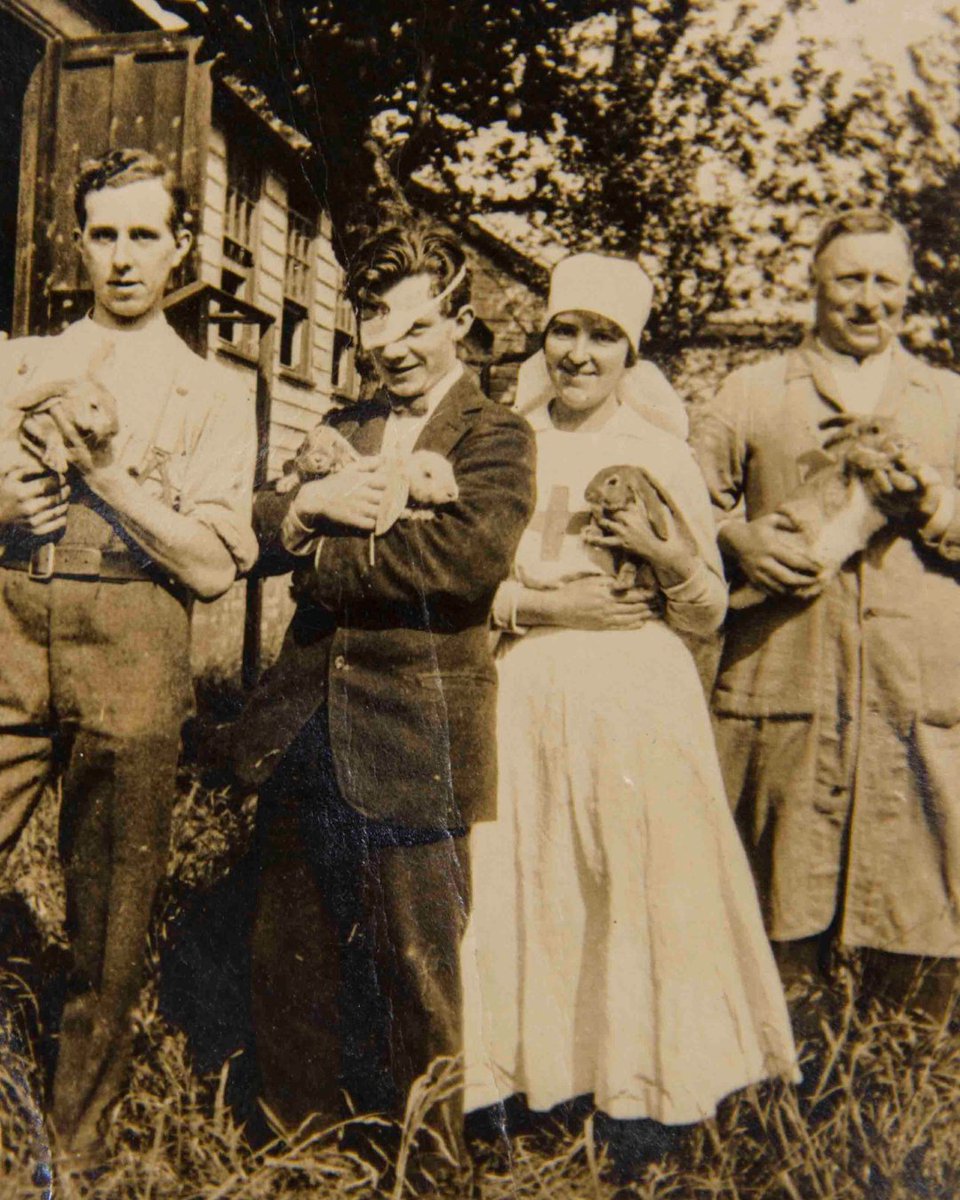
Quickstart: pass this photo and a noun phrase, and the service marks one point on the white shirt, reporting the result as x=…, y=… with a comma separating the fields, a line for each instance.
x=402, y=429
x=186, y=425
x=859, y=384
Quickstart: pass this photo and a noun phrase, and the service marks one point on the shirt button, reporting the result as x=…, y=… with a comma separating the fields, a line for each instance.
x=339, y=662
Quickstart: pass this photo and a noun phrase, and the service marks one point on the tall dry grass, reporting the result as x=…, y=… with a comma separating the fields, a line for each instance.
x=878, y=1114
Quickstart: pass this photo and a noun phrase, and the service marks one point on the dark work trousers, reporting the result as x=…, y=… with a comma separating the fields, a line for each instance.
x=356, y=948
x=912, y=981
x=94, y=687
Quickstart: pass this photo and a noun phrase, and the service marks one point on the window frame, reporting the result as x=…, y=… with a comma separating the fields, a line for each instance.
x=240, y=244
x=345, y=379
x=299, y=292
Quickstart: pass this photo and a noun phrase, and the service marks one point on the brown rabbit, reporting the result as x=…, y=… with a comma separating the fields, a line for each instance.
x=833, y=509
x=624, y=487
x=321, y=452
x=83, y=406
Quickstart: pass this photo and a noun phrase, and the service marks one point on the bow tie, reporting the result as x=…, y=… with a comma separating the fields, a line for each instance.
x=415, y=406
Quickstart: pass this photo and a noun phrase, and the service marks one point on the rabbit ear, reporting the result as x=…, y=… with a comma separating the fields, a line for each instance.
x=35, y=399
x=348, y=451
x=654, y=502
x=666, y=505
x=100, y=359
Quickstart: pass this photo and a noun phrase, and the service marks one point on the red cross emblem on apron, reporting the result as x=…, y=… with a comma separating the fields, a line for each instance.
x=556, y=521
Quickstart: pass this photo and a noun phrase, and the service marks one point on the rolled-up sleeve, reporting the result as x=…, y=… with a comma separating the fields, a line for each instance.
x=217, y=487
x=698, y=604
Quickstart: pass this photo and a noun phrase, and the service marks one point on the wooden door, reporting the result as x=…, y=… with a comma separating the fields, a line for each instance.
x=89, y=96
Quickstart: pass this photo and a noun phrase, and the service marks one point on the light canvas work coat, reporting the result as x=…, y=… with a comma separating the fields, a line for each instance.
x=838, y=718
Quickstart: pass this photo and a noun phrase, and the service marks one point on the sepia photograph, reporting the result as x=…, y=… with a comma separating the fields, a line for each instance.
x=480, y=600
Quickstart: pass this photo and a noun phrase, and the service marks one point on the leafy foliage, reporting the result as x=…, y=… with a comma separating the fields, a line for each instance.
x=707, y=137
x=332, y=67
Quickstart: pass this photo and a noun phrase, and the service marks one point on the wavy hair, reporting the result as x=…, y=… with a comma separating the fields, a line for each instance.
x=400, y=251
x=119, y=167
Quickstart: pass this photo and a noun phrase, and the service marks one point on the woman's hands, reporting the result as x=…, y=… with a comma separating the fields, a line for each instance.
x=669, y=549
x=589, y=603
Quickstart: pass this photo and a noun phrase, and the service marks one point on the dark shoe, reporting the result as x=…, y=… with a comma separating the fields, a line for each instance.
x=375, y=1145
x=633, y=1144
x=498, y=1123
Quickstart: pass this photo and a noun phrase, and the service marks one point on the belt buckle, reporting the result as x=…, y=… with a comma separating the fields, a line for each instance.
x=41, y=565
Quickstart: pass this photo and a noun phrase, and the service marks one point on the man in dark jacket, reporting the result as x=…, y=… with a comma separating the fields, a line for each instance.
x=379, y=714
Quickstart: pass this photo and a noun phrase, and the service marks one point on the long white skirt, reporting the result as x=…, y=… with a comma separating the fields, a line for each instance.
x=615, y=944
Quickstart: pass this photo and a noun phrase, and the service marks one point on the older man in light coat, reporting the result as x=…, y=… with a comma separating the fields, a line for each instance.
x=837, y=702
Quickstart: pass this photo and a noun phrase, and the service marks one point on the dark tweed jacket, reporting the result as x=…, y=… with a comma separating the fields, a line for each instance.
x=398, y=650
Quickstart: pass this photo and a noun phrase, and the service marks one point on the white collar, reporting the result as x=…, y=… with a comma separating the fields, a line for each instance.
x=621, y=421
x=846, y=362
x=156, y=331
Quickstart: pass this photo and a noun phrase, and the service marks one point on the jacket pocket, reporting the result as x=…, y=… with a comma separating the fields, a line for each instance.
x=443, y=680
x=937, y=628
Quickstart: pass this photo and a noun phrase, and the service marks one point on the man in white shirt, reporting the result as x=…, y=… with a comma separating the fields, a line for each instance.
x=98, y=571
x=837, y=701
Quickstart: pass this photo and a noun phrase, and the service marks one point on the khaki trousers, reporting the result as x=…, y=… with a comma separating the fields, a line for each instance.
x=94, y=687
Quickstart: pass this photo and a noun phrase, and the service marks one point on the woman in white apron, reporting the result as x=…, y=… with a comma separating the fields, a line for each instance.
x=615, y=947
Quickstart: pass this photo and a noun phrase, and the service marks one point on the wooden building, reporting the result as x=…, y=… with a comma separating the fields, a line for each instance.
x=261, y=289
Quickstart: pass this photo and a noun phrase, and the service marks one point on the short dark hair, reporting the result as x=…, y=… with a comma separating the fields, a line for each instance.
x=857, y=221
x=119, y=167
x=399, y=251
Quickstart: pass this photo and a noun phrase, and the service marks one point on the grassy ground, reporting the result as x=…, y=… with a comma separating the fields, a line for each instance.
x=878, y=1114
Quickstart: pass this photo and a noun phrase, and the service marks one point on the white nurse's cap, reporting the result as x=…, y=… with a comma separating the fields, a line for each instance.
x=621, y=291
x=616, y=288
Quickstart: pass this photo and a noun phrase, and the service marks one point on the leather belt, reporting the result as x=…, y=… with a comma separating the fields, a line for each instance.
x=51, y=561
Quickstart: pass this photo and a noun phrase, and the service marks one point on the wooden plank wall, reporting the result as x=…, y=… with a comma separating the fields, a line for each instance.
x=296, y=405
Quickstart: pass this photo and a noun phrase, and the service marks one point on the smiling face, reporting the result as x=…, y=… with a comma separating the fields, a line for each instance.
x=861, y=288
x=129, y=250
x=586, y=357
x=418, y=358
